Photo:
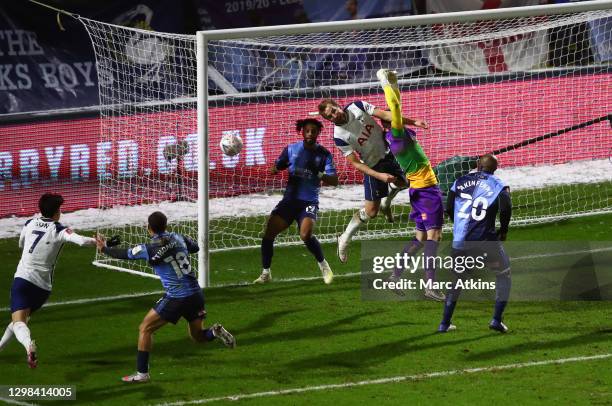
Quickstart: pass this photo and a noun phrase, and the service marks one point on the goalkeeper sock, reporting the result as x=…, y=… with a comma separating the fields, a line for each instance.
x=314, y=246
x=8, y=335
x=411, y=249
x=431, y=249
x=392, y=97
x=22, y=333
x=358, y=219
x=142, y=362
x=267, y=251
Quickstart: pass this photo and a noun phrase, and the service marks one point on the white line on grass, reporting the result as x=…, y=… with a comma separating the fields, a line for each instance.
x=16, y=402
x=388, y=380
x=299, y=279
x=97, y=299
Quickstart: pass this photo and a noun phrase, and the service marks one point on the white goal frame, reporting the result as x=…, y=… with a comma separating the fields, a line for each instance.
x=203, y=38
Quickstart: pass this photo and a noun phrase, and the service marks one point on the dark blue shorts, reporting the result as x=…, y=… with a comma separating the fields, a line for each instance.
x=26, y=295
x=295, y=210
x=375, y=189
x=172, y=309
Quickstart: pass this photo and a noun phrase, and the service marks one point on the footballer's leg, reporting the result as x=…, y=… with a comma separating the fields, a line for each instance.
x=430, y=252
x=151, y=323
x=26, y=298
x=368, y=212
x=503, y=283
x=7, y=336
x=22, y=334
x=452, y=295
x=198, y=333
x=388, y=81
x=276, y=224
x=195, y=314
x=307, y=223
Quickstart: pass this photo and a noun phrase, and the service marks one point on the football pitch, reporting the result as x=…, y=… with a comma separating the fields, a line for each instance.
x=303, y=342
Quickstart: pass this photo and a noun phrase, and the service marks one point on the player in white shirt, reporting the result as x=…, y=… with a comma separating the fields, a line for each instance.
x=41, y=239
x=362, y=142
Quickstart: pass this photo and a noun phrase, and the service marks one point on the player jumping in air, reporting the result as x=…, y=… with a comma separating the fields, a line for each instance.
x=356, y=132
x=473, y=203
x=425, y=195
x=308, y=163
x=42, y=239
x=168, y=254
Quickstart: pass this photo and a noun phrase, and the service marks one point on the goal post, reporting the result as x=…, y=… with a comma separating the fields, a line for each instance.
x=485, y=80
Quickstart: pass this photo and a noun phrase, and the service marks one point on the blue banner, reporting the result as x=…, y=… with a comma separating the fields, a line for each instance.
x=46, y=65
x=250, y=13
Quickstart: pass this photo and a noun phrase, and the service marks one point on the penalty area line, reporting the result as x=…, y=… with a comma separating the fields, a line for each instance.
x=16, y=402
x=286, y=280
x=95, y=299
x=393, y=379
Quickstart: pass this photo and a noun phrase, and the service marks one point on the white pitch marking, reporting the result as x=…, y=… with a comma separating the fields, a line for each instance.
x=300, y=279
x=16, y=402
x=389, y=380
x=96, y=299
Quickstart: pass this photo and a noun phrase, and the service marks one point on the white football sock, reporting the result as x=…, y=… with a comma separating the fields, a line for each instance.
x=22, y=333
x=357, y=220
x=8, y=335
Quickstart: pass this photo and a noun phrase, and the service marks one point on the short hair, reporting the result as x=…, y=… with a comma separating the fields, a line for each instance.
x=487, y=163
x=324, y=103
x=300, y=124
x=158, y=222
x=49, y=204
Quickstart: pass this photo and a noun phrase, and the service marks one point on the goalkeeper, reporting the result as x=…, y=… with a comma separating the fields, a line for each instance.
x=425, y=196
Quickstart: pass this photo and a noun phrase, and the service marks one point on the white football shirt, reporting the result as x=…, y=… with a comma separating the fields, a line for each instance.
x=42, y=239
x=361, y=134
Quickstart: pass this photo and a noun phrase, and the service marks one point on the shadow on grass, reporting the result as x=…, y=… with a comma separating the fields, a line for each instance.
x=598, y=336
x=145, y=393
x=365, y=357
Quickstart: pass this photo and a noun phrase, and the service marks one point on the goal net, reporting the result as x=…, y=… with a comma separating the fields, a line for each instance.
x=536, y=90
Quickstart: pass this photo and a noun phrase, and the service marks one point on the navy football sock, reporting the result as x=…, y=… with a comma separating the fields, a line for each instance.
x=142, y=362
x=449, y=305
x=314, y=246
x=431, y=249
x=411, y=249
x=208, y=334
x=267, y=251
x=502, y=292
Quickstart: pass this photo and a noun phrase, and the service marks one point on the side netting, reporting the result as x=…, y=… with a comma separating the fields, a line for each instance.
x=533, y=90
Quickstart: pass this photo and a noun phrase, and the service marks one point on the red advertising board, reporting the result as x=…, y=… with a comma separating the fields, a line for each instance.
x=71, y=157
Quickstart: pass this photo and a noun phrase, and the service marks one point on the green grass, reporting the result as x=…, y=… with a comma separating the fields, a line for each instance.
x=299, y=334
x=527, y=204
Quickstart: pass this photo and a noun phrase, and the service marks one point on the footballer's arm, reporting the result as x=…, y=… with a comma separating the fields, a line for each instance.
x=386, y=115
x=505, y=213
x=81, y=241
x=22, y=237
x=361, y=167
x=330, y=180
x=281, y=163
x=192, y=246
x=114, y=252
